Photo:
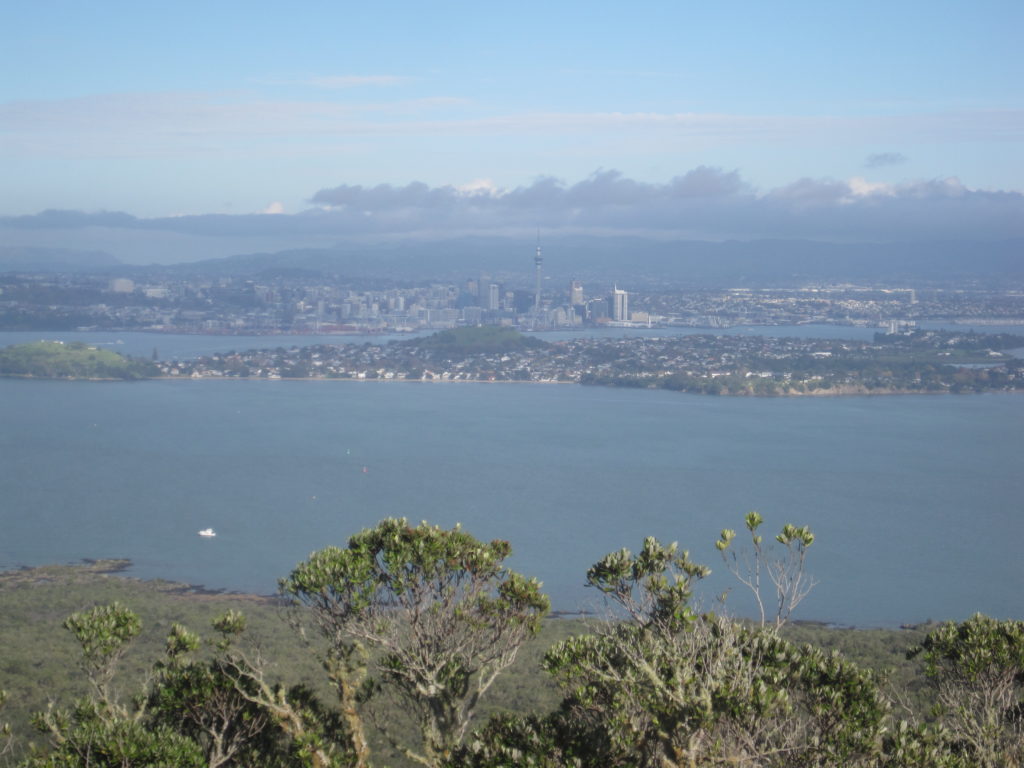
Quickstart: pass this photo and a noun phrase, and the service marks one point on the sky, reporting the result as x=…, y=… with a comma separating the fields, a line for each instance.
x=232, y=125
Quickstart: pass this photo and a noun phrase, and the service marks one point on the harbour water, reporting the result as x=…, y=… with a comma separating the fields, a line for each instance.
x=916, y=500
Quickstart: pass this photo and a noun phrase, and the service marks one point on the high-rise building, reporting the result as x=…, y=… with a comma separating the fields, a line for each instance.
x=493, y=297
x=575, y=293
x=618, y=305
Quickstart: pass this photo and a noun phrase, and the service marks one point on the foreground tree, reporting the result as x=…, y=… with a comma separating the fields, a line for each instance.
x=87, y=742
x=104, y=634
x=687, y=689
x=977, y=670
x=433, y=611
x=211, y=711
x=785, y=569
x=669, y=687
x=226, y=705
x=100, y=730
x=203, y=702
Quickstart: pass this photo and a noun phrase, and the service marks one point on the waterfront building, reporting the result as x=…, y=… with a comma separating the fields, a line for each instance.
x=618, y=305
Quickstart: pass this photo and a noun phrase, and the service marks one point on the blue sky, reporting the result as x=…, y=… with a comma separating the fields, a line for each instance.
x=182, y=109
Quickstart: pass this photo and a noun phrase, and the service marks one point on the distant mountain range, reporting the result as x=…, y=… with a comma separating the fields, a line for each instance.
x=639, y=262
x=632, y=262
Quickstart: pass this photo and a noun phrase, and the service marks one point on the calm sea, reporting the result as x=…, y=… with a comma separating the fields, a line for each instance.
x=917, y=501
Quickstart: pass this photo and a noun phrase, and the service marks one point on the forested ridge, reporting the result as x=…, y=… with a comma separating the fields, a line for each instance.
x=414, y=644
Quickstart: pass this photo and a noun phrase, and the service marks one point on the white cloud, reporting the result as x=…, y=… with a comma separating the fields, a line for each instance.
x=274, y=208
x=479, y=187
x=861, y=187
x=704, y=202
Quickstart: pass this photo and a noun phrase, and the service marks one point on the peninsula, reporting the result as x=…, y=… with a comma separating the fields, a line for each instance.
x=911, y=362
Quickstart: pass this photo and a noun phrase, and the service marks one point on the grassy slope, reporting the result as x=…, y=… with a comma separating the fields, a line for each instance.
x=56, y=360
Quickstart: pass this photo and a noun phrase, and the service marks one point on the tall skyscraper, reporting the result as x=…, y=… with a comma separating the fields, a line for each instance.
x=575, y=293
x=619, y=305
x=493, y=297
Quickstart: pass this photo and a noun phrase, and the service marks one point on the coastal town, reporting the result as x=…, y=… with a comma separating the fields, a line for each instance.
x=910, y=361
x=488, y=328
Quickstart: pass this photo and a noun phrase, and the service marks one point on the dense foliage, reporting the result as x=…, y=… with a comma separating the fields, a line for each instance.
x=413, y=625
x=443, y=613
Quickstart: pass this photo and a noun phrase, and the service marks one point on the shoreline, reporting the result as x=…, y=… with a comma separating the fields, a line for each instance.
x=833, y=392
x=77, y=572
x=16, y=576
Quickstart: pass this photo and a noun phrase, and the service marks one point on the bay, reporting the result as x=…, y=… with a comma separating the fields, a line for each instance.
x=916, y=500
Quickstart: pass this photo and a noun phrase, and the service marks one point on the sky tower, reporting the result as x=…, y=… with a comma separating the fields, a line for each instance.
x=538, y=260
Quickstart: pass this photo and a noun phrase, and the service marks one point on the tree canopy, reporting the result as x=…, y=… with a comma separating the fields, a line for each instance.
x=442, y=613
x=424, y=619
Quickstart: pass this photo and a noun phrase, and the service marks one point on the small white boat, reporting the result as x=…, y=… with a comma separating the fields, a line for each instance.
x=207, y=532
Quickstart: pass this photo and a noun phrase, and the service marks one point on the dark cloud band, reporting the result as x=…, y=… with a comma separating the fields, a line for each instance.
x=704, y=203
